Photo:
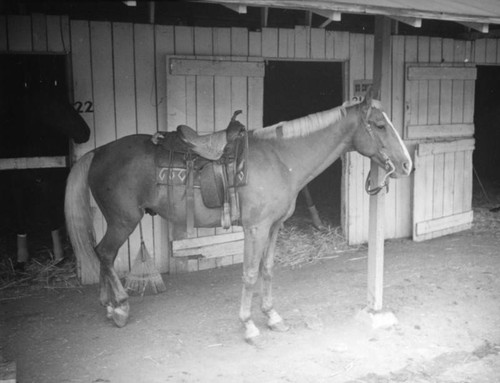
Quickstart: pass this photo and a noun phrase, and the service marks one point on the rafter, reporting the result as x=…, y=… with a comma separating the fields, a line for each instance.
x=330, y=16
x=241, y=9
x=415, y=22
x=483, y=28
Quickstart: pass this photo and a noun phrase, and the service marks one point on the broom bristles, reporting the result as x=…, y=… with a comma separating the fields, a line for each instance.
x=144, y=277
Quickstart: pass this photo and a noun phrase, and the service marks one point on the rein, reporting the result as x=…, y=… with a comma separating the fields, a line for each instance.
x=389, y=166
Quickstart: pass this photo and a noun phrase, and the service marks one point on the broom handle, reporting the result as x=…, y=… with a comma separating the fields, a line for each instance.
x=142, y=241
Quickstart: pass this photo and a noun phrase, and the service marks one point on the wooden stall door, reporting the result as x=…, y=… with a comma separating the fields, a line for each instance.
x=439, y=108
x=203, y=92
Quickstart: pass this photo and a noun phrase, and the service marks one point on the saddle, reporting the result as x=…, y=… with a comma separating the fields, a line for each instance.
x=215, y=163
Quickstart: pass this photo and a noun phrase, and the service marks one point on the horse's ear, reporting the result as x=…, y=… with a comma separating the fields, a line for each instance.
x=367, y=101
x=369, y=96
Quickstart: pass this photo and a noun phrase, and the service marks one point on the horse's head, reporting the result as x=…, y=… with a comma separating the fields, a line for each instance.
x=377, y=138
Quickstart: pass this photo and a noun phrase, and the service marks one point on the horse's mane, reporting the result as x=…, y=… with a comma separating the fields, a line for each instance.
x=302, y=126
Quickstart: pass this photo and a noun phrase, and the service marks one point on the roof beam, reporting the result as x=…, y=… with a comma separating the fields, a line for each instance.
x=330, y=16
x=241, y=9
x=415, y=22
x=483, y=28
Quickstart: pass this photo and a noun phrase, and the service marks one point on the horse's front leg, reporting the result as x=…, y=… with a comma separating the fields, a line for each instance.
x=256, y=239
x=275, y=322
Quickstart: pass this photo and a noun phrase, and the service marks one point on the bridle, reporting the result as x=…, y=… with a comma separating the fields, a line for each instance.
x=388, y=165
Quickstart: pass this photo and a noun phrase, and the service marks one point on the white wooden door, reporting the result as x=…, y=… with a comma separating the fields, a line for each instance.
x=203, y=92
x=439, y=109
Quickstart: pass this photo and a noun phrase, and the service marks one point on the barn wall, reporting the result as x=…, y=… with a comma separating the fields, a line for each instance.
x=119, y=76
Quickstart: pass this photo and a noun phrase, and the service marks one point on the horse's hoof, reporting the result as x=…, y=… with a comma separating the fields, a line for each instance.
x=109, y=312
x=120, y=314
x=251, y=332
x=280, y=326
x=275, y=322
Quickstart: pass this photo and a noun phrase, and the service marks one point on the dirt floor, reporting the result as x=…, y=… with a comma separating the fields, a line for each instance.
x=444, y=292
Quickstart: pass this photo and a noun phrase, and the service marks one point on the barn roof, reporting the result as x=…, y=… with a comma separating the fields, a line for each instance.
x=476, y=14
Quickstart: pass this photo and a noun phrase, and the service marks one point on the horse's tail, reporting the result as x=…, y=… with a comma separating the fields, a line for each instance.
x=79, y=215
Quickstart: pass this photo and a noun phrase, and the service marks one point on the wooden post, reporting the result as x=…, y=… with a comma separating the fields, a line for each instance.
x=376, y=230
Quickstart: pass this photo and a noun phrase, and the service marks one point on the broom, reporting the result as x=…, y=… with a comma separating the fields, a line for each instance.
x=144, y=276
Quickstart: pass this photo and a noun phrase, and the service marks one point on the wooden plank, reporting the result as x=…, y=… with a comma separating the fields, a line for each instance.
x=203, y=43
x=458, y=183
x=449, y=179
x=467, y=177
x=239, y=42
x=124, y=84
x=190, y=243
x=329, y=45
x=441, y=73
x=255, y=44
x=457, y=103
x=255, y=102
x=433, y=148
x=19, y=33
x=82, y=79
x=445, y=102
x=318, y=43
x=222, y=41
x=102, y=76
x=269, y=42
x=480, y=51
x=437, y=195
x=444, y=222
x=164, y=37
x=145, y=78
x=448, y=50
x=302, y=42
x=341, y=50
x=216, y=67
x=411, y=87
x=443, y=130
x=39, y=26
x=469, y=99
x=212, y=250
x=56, y=39
x=491, y=51
x=184, y=40
x=284, y=35
x=34, y=162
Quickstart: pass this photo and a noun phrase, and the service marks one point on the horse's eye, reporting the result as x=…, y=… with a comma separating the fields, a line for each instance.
x=380, y=125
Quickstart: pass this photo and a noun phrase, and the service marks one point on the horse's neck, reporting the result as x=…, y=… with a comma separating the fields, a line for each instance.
x=307, y=156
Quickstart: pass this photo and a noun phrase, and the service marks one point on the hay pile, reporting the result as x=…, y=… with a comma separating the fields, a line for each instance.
x=40, y=272
x=299, y=243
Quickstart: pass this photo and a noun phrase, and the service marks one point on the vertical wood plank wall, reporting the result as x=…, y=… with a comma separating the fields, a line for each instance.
x=120, y=68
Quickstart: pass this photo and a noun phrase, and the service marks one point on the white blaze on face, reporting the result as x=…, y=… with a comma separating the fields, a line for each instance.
x=405, y=150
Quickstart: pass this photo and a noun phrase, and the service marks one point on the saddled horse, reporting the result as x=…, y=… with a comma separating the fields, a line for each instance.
x=282, y=159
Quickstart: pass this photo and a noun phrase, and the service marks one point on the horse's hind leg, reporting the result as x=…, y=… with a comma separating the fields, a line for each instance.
x=113, y=295
x=275, y=322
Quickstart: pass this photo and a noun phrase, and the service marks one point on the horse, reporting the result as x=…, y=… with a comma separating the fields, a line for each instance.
x=282, y=160
x=38, y=121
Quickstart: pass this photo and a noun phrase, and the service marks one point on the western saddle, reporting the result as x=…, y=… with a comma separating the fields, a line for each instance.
x=215, y=163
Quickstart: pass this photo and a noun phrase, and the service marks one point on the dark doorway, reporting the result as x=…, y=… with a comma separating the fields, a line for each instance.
x=486, y=157
x=23, y=136
x=295, y=89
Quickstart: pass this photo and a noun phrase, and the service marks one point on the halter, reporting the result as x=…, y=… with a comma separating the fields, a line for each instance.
x=388, y=165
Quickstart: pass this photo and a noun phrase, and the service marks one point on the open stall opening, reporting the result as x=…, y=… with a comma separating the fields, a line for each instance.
x=23, y=136
x=294, y=89
x=486, y=157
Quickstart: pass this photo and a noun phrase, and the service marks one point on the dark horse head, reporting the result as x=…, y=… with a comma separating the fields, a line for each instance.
x=48, y=107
